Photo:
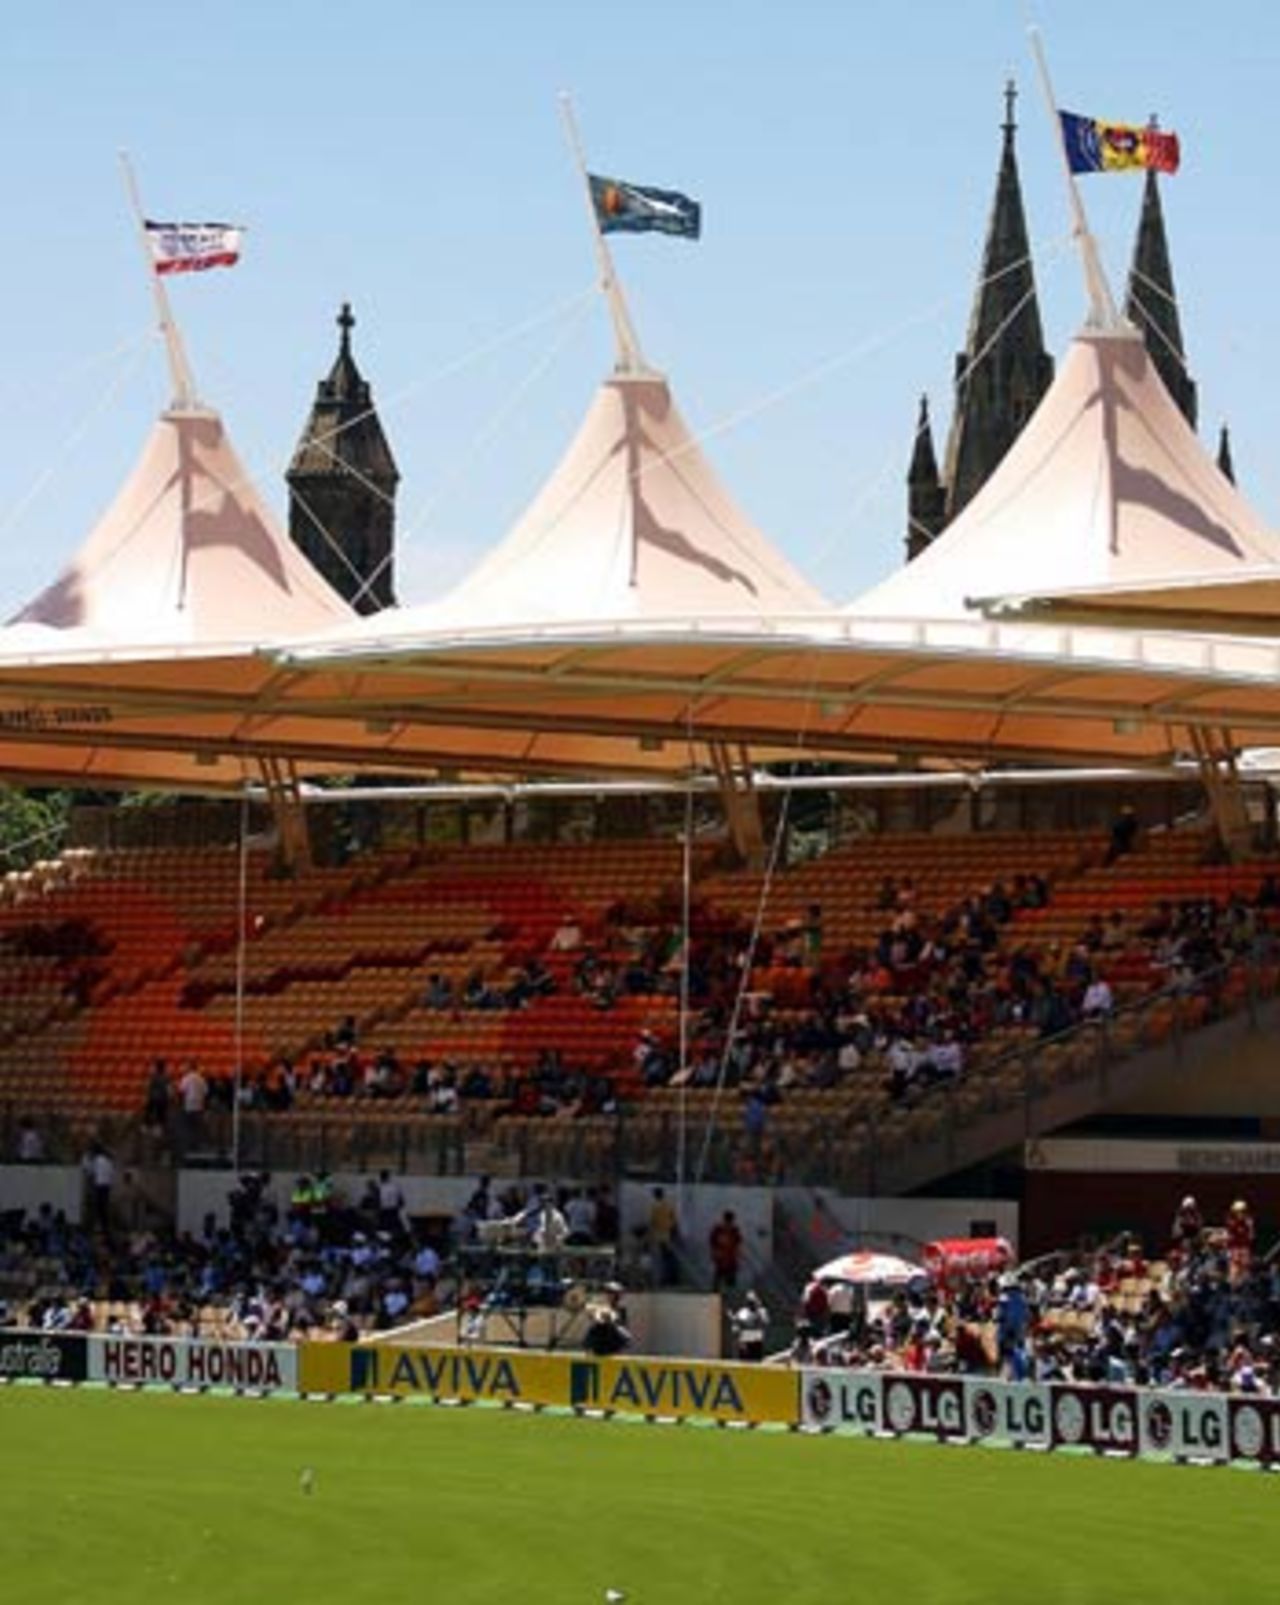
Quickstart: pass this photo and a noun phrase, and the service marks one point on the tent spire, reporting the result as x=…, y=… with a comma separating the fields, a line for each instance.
x=628, y=357
x=1103, y=316
x=184, y=388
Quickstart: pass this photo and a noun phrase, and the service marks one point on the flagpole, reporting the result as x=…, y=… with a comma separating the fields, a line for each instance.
x=184, y=389
x=629, y=357
x=1102, y=307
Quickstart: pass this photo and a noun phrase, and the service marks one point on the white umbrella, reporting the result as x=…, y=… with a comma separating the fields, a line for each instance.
x=868, y=1266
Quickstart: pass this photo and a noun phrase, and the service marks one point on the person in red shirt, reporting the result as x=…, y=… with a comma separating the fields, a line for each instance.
x=726, y=1252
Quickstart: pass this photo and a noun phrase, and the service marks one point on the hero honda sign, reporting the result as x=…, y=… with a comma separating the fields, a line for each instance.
x=193, y=1363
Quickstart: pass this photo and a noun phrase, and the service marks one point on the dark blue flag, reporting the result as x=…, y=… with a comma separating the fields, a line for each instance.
x=638, y=209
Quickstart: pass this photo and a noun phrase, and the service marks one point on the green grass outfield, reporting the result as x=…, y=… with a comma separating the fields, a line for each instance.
x=110, y=1497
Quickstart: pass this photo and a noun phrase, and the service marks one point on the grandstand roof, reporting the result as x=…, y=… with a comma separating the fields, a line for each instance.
x=1106, y=485
x=1244, y=603
x=187, y=554
x=640, y=697
x=633, y=617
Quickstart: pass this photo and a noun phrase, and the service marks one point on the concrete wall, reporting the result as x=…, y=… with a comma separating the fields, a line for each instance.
x=201, y=1192
x=26, y=1187
x=698, y=1210
x=1245, y=1081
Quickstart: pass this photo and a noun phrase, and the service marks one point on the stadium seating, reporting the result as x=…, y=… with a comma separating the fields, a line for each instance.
x=113, y=959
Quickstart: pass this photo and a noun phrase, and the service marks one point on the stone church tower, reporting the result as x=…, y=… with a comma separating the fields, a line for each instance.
x=1004, y=368
x=1152, y=303
x=342, y=486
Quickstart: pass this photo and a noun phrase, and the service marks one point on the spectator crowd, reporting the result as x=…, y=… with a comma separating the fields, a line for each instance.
x=1206, y=1315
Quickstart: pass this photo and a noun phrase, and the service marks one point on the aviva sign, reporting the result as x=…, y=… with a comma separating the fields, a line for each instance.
x=740, y=1393
x=683, y=1388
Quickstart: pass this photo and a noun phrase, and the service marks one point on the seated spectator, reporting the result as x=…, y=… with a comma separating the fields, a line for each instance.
x=568, y=935
x=439, y=992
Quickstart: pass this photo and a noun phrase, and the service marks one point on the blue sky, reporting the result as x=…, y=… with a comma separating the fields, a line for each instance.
x=409, y=156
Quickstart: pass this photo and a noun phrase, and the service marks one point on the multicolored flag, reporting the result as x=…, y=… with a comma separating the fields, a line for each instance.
x=1097, y=147
x=638, y=209
x=193, y=247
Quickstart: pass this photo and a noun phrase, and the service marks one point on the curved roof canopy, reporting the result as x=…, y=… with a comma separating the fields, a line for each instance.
x=1107, y=485
x=633, y=523
x=186, y=555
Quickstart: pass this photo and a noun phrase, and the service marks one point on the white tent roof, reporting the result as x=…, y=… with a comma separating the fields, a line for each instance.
x=1106, y=485
x=187, y=554
x=632, y=524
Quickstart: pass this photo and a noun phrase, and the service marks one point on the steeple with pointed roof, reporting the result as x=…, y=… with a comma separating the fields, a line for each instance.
x=1152, y=305
x=1225, y=461
x=342, y=485
x=926, y=497
x=1005, y=368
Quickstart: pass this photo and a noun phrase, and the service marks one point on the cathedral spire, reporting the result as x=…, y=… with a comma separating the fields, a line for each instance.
x=1152, y=304
x=926, y=497
x=342, y=485
x=1225, y=461
x=1004, y=369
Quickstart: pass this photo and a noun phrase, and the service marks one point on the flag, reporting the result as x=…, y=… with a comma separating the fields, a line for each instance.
x=1097, y=147
x=638, y=209
x=193, y=247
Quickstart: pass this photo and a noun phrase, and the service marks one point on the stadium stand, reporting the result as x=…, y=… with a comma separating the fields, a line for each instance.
x=512, y=999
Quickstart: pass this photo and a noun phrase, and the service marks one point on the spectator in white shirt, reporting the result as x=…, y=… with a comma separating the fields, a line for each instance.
x=30, y=1144
x=1098, y=999
x=193, y=1089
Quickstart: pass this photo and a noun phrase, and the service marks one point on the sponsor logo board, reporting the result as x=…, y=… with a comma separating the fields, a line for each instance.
x=924, y=1404
x=1191, y=1425
x=736, y=1393
x=646, y=1387
x=44, y=1356
x=1253, y=1429
x=191, y=1363
x=841, y=1399
x=1105, y=1419
x=1008, y=1412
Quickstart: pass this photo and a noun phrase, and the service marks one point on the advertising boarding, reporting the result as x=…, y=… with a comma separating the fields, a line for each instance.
x=42, y=1356
x=193, y=1363
x=676, y=1388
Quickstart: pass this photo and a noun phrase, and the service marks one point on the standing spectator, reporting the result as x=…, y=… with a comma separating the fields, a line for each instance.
x=726, y=1252
x=193, y=1089
x=156, y=1111
x=663, y=1231
x=390, y=1204
x=816, y=1306
x=1013, y=1317
x=841, y=1302
x=580, y=1215
x=1240, y=1234
x=100, y=1173
x=750, y=1323
x=1124, y=834
x=1099, y=1000
x=30, y=1145
x=1188, y=1224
